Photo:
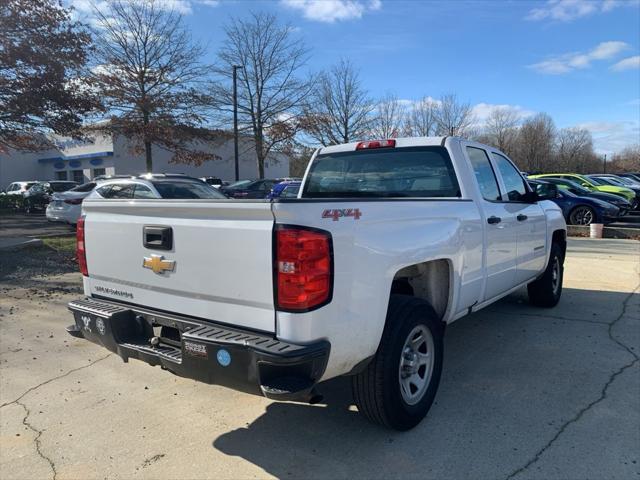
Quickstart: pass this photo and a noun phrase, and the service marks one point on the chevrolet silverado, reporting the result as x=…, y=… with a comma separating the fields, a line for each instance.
x=386, y=243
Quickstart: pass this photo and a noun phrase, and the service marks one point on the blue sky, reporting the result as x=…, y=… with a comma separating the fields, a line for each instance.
x=577, y=60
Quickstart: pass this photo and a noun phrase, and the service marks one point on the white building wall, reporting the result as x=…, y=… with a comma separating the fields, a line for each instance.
x=92, y=157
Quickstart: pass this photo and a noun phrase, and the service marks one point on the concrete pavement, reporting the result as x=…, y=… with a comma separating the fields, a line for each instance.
x=526, y=393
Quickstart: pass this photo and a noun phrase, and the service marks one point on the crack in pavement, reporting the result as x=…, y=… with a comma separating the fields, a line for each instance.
x=556, y=317
x=25, y=422
x=601, y=397
x=17, y=400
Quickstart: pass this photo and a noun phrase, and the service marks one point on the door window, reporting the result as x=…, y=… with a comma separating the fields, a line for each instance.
x=118, y=191
x=485, y=175
x=99, y=171
x=61, y=175
x=513, y=181
x=142, y=191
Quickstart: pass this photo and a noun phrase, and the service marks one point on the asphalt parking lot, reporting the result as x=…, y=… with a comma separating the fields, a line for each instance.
x=525, y=393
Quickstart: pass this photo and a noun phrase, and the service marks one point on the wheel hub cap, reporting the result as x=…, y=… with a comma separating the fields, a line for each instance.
x=416, y=364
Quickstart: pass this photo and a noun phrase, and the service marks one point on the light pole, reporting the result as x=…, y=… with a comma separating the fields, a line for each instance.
x=235, y=120
x=604, y=164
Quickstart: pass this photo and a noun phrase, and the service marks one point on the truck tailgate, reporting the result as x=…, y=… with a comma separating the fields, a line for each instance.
x=222, y=252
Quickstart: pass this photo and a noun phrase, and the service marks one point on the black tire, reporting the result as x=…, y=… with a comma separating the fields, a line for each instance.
x=582, y=215
x=545, y=291
x=376, y=390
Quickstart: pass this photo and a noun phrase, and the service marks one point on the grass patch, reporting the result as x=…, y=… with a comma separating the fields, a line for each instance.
x=61, y=244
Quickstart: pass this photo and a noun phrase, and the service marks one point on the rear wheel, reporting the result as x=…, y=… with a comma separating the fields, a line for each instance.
x=546, y=290
x=582, y=215
x=399, y=385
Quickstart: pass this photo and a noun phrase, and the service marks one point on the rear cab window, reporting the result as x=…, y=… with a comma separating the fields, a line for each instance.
x=413, y=172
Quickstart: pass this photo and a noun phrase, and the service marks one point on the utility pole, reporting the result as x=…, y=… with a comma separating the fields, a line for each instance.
x=604, y=164
x=235, y=120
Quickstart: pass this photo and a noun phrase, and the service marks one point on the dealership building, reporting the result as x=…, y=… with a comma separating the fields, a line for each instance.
x=83, y=160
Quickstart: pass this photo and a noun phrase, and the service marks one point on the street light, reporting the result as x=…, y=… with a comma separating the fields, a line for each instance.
x=235, y=120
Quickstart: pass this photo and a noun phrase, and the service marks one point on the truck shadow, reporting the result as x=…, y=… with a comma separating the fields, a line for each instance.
x=513, y=375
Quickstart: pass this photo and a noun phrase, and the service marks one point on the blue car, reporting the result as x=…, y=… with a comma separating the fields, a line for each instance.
x=579, y=210
x=285, y=189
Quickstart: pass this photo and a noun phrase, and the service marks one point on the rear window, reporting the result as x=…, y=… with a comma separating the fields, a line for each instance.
x=396, y=172
x=87, y=187
x=177, y=189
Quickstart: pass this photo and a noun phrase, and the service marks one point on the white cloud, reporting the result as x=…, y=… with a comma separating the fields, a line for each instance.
x=329, y=11
x=481, y=111
x=611, y=137
x=630, y=63
x=568, y=10
x=568, y=62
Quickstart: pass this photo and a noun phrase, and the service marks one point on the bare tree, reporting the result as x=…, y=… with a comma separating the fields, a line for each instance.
x=43, y=55
x=575, y=150
x=501, y=128
x=452, y=116
x=389, y=118
x=149, y=73
x=626, y=160
x=270, y=94
x=339, y=109
x=421, y=120
x=535, y=147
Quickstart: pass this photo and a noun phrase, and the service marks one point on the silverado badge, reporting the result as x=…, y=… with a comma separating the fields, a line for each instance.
x=158, y=264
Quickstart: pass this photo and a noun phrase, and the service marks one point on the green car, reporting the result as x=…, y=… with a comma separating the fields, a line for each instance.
x=589, y=184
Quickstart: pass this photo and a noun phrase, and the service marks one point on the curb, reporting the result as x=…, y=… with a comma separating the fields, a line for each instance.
x=607, y=232
x=31, y=242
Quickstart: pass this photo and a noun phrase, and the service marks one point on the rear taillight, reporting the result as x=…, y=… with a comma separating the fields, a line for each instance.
x=391, y=143
x=81, y=251
x=303, y=268
x=73, y=201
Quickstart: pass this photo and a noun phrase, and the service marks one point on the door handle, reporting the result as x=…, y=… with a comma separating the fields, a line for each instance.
x=493, y=220
x=157, y=237
x=521, y=217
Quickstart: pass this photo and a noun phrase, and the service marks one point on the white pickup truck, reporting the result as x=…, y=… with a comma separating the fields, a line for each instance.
x=387, y=243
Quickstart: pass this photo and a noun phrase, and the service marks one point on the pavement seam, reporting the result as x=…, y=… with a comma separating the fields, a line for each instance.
x=17, y=400
x=603, y=392
x=36, y=440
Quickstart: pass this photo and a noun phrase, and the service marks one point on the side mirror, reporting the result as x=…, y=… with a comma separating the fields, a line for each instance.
x=546, y=191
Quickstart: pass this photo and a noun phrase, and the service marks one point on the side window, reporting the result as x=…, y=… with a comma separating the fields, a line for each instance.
x=119, y=191
x=513, y=182
x=104, y=191
x=142, y=191
x=484, y=174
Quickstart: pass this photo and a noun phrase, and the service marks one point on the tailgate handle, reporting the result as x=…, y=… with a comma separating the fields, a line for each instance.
x=157, y=237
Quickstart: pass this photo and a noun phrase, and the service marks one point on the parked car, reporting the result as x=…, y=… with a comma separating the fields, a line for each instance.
x=632, y=176
x=38, y=196
x=67, y=206
x=625, y=181
x=617, y=182
x=214, y=181
x=285, y=189
x=620, y=202
x=250, y=188
x=593, y=185
x=154, y=186
x=19, y=188
x=579, y=210
x=396, y=239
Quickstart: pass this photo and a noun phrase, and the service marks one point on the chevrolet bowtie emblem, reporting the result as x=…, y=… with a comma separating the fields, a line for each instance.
x=158, y=264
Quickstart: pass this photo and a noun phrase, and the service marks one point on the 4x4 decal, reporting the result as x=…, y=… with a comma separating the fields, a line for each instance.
x=337, y=213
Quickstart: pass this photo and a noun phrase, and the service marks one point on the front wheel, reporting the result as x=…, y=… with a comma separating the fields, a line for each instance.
x=582, y=215
x=399, y=385
x=546, y=290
